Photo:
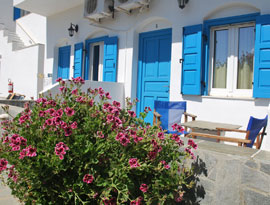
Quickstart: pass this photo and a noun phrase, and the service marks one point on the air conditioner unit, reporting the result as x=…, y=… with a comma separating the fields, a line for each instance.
x=130, y=4
x=97, y=9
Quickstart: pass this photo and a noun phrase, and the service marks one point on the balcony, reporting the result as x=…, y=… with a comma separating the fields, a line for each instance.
x=46, y=7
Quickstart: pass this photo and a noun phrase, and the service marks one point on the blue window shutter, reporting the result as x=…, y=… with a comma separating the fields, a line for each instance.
x=191, y=66
x=261, y=86
x=78, y=60
x=16, y=13
x=64, y=62
x=110, y=59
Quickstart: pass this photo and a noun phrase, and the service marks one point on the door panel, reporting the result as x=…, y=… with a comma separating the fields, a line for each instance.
x=154, y=69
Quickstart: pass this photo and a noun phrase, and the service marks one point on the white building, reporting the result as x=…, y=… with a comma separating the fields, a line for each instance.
x=214, y=54
x=21, y=50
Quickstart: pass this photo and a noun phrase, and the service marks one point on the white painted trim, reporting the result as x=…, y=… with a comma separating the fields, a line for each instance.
x=232, y=63
x=101, y=53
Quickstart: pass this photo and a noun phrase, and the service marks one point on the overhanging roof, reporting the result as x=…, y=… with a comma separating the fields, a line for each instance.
x=46, y=7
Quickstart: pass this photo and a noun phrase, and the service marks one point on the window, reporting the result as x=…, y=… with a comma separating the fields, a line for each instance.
x=222, y=57
x=232, y=60
x=96, y=61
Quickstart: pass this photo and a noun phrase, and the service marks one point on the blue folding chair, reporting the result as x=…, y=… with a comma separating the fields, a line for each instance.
x=254, y=133
x=168, y=113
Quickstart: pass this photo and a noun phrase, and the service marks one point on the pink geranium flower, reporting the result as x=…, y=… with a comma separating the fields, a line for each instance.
x=100, y=135
x=161, y=135
x=69, y=111
x=74, y=125
x=60, y=150
x=88, y=178
x=31, y=151
x=144, y=188
x=124, y=141
x=3, y=164
x=133, y=162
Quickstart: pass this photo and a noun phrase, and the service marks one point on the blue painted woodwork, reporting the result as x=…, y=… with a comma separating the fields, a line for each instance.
x=207, y=25
x=191, y=66
x=154, y=69
x=254, y=127
x=16, y=13
x=64, y=62
x=261, y=87
x=171, y=113
x=88, y=43
x=78, y=60
x=110, y=59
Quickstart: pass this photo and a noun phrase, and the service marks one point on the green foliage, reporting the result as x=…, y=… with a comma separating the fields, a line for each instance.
x=78, y=148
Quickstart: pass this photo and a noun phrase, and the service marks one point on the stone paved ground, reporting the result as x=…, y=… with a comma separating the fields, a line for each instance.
x=6, y=197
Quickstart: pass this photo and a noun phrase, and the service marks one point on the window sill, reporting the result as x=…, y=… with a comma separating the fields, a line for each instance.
x=229, y=98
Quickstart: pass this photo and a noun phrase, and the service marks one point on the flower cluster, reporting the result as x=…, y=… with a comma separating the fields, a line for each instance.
x=88, y=178
x=3, y=164
x=144, y=188
x=16, y=142
x=28, y=151
x=89, y=148
x=178, y=128
x=60, y=150
x=133, y=162
x=166, y=166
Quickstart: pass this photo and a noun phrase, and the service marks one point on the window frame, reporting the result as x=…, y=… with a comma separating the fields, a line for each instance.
x=207, y=25
x=232, y=61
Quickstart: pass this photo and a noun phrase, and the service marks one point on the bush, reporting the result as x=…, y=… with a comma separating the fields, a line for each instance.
x=79, y=148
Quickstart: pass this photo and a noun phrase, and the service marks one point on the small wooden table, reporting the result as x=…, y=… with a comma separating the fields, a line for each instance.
x=207, y=127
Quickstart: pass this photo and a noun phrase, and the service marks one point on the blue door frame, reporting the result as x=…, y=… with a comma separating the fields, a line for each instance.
x=154, y=69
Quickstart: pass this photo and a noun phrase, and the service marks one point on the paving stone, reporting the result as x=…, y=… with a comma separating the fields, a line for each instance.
x=253, y=198
x=210, y=161
x=213, y=174
x=207, y=184
x=228, y=183
x=9, y=201
x=265, y=168
x=252, y=164
x=255, y=179
x=207, y=200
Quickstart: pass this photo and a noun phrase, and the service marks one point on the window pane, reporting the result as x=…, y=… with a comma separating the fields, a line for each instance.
x=245, y=57
x=220, y=59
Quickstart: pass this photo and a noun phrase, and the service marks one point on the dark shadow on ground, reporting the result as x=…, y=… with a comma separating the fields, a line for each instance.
x=196, y=193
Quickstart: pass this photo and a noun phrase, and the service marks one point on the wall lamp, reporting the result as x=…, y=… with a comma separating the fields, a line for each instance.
x=182, y=3
x=73, y=28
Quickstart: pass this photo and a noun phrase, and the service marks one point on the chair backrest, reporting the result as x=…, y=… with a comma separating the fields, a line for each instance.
x=171, y=112
x=254, y=127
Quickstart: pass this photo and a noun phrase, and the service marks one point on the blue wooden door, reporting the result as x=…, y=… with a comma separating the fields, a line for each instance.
x=64, y=62
x=154, y=69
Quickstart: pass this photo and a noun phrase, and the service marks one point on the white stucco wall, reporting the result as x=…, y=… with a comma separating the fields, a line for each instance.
x=22, y=67
x=162, y=14
x=116, y=90
x=25, y=67
x=6, y=14
x=32, y=29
